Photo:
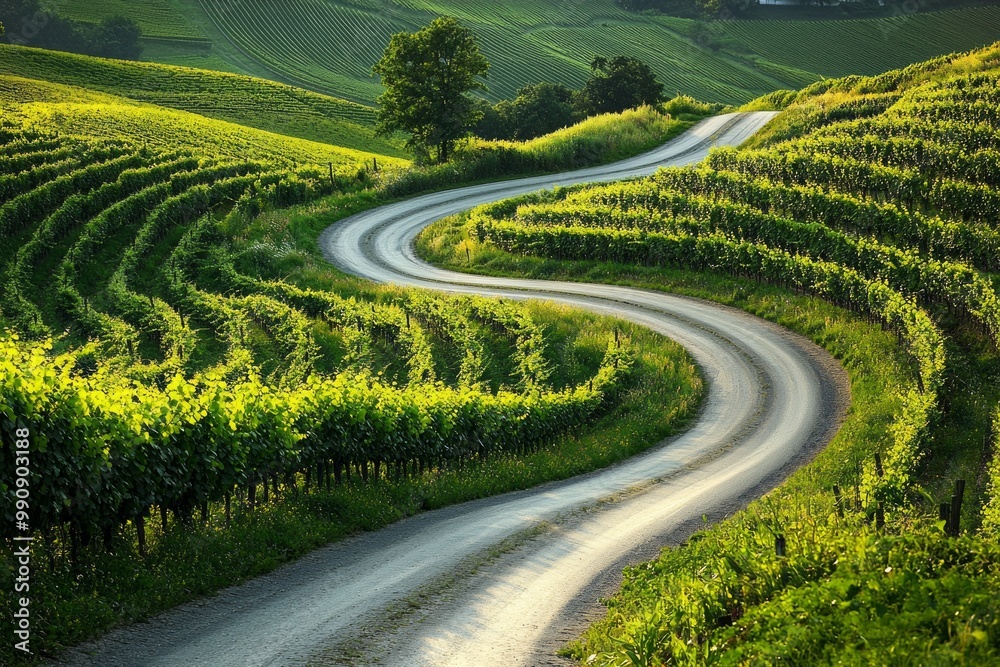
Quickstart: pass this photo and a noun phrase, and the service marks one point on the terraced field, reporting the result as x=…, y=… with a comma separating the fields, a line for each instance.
x=330, y=45
x=246, y=101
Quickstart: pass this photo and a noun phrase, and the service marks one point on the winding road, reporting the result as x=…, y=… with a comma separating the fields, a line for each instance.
x=507, y=580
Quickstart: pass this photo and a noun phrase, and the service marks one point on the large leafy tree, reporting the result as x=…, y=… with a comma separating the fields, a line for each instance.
x=618, y=84
x=428, y=75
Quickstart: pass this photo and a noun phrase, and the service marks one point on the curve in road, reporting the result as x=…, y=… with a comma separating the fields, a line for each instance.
x=487, y=586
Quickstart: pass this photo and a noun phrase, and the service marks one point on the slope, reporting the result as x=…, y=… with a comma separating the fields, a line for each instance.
x=45, y=107
x=243, y=100
x=330, y=45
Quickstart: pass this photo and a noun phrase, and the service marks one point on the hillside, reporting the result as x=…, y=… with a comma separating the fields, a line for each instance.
x=330, y=45
x=243, y=100
x=865, y=217
x=40, y=106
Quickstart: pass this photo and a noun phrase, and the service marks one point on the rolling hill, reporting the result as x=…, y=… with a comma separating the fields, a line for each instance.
x=238, y=99
x=330, y=45
x=40, y=106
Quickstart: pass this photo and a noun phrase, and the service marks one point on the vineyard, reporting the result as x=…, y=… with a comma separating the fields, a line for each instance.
x=861, y=46
x=187, y=367
x=243, y=100
x=102, y=214
x=33, y=105
x=156, y=18
x=528, y=42
x=878, y=195
x=331, y=45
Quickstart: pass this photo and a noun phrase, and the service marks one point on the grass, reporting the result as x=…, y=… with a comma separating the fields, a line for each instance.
x=597, y=140
x=331, y=46
x=243, y=100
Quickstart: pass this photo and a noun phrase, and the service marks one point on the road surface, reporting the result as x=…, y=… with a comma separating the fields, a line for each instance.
x=507, y=580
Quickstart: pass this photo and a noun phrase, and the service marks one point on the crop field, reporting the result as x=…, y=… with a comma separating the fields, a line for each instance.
x=42, y=106
x=331, y=45
x=878, y=195
x=156, y=18
x=327, y=44
x=865, y=47
x=243, y=100
x=156, y=340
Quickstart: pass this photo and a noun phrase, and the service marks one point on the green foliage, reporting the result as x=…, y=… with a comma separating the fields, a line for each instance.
x=34, y=25
x=428, y=75
x=330, y=46
x=43, y=107
x=166, y=362
x=538, y=109
x=991, y=511
x=618, y=84
x=156, y=18
x=597, y=140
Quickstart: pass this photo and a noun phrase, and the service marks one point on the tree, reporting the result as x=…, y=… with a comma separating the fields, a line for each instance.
x=493, y=122
x=541, y=108
x=117, y=37
x=428, y=75
x=31, y=24
x=618, y=84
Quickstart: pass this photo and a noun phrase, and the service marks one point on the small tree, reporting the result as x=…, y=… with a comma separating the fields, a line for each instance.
x=428, y=75
x=618, y=84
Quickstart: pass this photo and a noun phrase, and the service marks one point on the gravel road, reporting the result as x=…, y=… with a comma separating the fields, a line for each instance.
x=507, y=580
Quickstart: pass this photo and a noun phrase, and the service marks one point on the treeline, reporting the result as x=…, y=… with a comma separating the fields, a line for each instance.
x=28, y=23
x=615, y=85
